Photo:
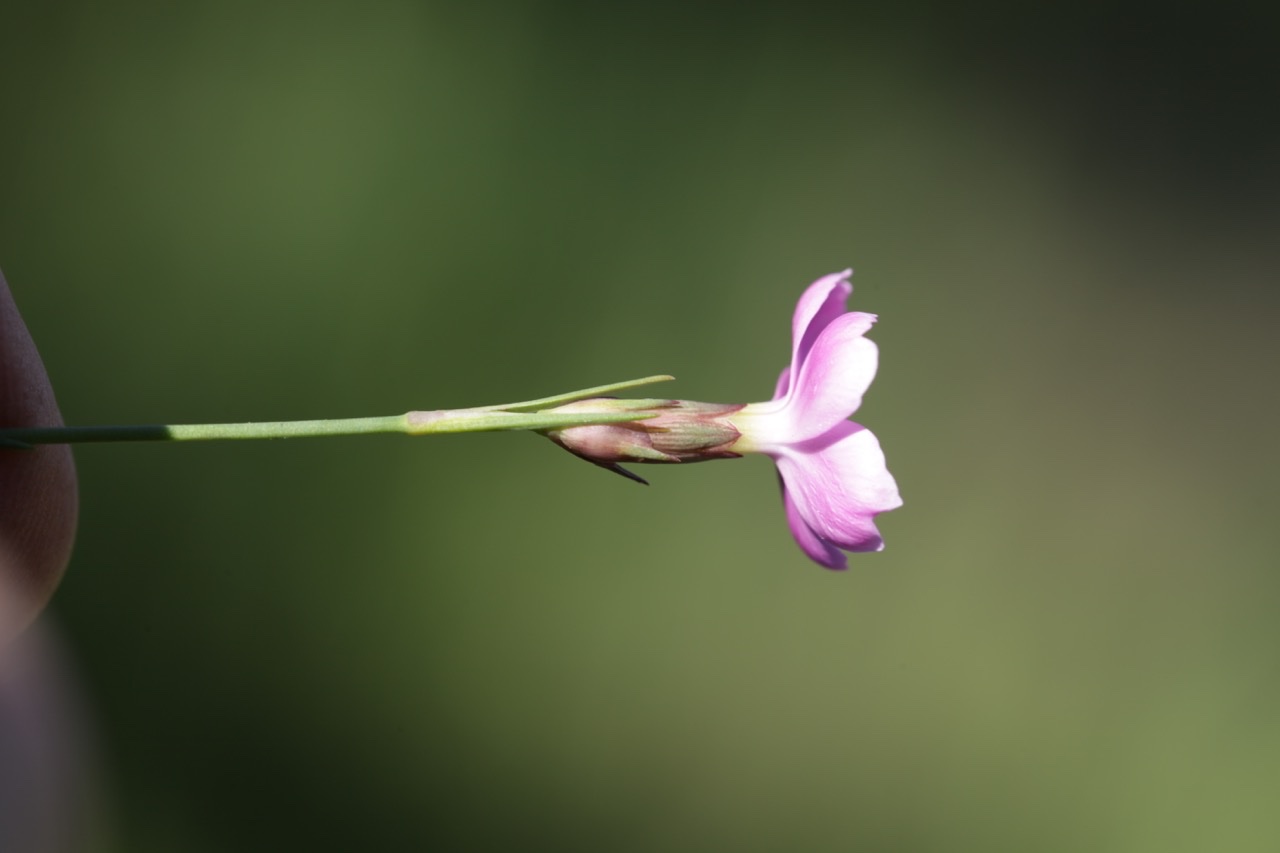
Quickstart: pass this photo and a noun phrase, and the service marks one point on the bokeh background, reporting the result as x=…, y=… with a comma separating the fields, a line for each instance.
x=1066, y=219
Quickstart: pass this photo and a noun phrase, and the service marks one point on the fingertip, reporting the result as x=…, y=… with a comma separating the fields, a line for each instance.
x=38, y=491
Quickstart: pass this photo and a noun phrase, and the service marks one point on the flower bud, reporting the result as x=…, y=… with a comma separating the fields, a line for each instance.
x=666, y=431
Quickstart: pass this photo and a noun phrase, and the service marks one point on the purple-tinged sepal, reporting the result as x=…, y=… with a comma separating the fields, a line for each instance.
x=664, y=432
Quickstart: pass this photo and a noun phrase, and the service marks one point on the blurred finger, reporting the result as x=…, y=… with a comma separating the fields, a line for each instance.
x=38, y=498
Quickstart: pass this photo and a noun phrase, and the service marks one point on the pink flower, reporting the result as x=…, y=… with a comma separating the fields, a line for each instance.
x=834, y=479
x=833, y=474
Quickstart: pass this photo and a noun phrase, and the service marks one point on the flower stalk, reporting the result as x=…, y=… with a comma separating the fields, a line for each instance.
x=525, y=415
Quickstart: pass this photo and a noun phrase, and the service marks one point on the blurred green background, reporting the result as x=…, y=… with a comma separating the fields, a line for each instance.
x=1066, y=221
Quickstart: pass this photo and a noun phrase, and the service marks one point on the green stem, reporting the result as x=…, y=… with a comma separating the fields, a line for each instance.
x=484, y=419
x=203, y=432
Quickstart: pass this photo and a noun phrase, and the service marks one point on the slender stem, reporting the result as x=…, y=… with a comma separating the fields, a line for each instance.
x=480, y=420
x=527, y=415
x=205, y=432
x=412, y=423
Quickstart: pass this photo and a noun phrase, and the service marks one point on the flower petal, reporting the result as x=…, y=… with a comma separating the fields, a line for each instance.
x=839, y=483
x=784, y=382
x=821, y=302
x=814, y=546
x=831, y=381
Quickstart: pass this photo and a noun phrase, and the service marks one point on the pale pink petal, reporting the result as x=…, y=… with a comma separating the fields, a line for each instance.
x=839, y=483
x=818, y=549
x=832, y=379
x=784, y=381
x=822, y=302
